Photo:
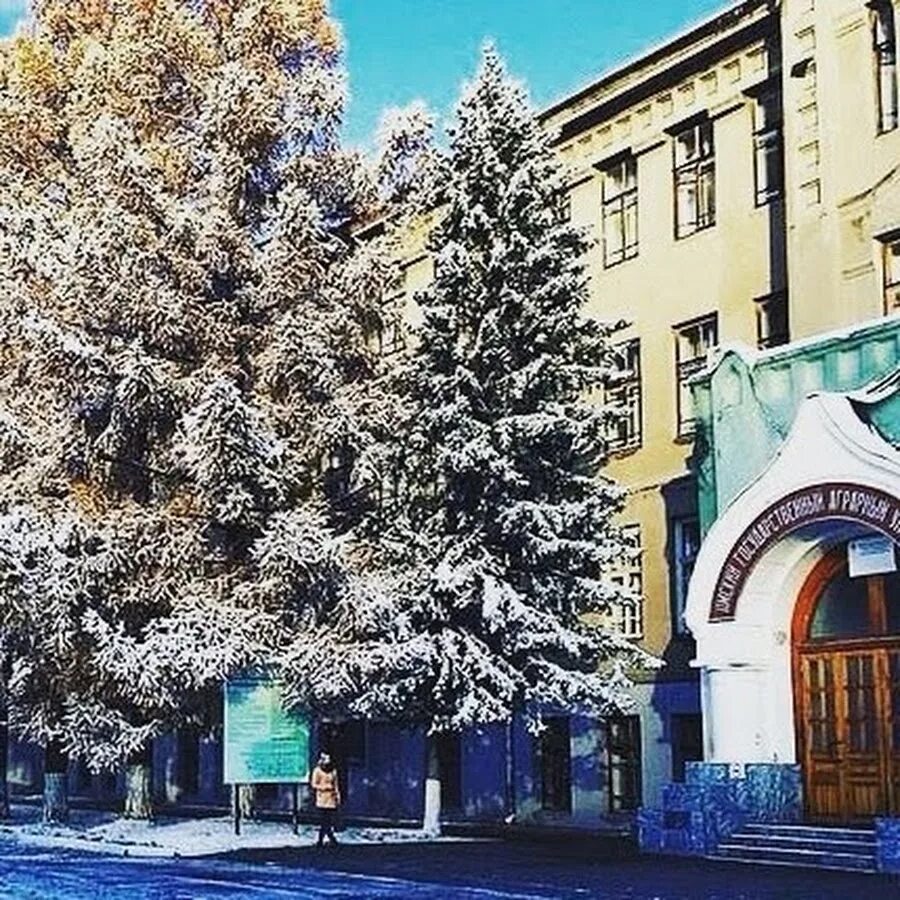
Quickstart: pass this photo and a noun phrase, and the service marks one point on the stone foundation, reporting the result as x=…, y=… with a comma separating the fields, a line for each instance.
x=887, y=836
x=715, y=800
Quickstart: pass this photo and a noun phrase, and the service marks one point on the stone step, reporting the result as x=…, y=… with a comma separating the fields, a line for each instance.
x=764, y=831
x=808, y=858
x=801, y=842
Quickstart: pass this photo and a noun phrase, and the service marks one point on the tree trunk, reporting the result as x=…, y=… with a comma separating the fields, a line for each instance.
x=56, y=794
x=431, y=822
x=510, y=774
x=245, y=795
x=139, y=784
x=4, y=741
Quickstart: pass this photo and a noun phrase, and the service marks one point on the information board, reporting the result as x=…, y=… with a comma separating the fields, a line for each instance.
x=264, y=742
x=871, y=556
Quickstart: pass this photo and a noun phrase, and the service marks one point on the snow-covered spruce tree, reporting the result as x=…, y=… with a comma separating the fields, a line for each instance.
x=183, y=323
x=511, y=517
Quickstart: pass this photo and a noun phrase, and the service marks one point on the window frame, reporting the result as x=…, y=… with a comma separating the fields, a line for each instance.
x=390, y=333
x=346, y=740
x=683, y=725
x=698, y=169
x=875, y=590
x=556, y=785
x=336, y=474
x=768, y=137
x=629, y=762
x=623, y=201
x=884, y=64
x=773, y=336
x=890, y=288
x=450, y=755
x=627, y=394
x=682, y=568
x=628, y=616
x=685, y=369
x=562, y=206
x=187, y=760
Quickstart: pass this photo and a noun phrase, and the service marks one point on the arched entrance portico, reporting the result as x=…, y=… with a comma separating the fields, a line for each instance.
x=781, y=682
x=846, y=676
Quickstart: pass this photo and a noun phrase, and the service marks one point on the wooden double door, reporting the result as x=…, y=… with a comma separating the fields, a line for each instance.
x=846, y=638
x=849, y=716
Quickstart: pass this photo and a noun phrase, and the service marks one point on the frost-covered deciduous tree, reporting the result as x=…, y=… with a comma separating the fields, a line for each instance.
x=409, y=168
x=511, y=518
x=184, y=359
x=4, y=740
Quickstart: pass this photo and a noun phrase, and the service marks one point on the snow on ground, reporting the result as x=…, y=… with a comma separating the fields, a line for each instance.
x=107, y=833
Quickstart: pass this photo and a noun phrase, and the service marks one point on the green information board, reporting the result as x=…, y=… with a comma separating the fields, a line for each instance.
x=264, y=743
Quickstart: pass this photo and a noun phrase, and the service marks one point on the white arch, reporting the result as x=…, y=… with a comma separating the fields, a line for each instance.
x=746, y=688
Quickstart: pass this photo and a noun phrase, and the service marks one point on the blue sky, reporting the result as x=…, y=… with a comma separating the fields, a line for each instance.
x=400, y=50
x=10, y=11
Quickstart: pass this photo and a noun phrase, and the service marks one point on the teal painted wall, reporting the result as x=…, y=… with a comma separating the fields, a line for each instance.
x=747, y=402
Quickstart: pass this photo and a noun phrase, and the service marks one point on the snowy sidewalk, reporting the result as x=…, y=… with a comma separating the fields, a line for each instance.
x=107, y=833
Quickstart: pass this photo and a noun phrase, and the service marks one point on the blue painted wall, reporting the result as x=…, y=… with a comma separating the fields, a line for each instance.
x=484, y=773
x=388, y=782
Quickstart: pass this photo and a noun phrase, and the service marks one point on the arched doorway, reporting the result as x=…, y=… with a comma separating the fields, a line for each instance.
x=846, y=670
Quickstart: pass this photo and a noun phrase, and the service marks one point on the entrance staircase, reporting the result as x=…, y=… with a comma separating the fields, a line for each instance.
x=815, y=846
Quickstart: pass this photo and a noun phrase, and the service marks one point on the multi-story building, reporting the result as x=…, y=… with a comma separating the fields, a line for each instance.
x=741, y=185
x=676, y=164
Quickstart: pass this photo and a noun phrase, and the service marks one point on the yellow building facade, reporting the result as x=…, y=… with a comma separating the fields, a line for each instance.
x=740, y=185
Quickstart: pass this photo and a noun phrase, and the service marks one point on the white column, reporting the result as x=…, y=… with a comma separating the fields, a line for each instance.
x=734, y=714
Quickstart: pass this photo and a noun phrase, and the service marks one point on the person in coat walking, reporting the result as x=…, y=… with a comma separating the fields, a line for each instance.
x=327, y=790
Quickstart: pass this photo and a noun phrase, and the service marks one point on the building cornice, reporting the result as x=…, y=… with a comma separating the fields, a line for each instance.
x=614, y=102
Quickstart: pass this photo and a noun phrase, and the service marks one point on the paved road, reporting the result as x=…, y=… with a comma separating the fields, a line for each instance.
x=469, y=871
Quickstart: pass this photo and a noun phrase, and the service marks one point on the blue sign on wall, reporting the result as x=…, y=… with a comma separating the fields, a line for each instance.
x=264, y=742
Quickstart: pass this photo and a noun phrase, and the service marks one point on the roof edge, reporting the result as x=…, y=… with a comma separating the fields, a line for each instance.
x=691, y=34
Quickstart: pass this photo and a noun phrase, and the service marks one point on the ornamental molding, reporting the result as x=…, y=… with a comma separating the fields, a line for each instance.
x=844, y=501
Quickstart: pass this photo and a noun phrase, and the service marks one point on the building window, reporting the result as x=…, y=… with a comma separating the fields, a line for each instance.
x=695, y=179
x=884, y=40
x=393, y=340
x=391, y=488
x=628, y=615
x=624, y=393
x=768, y=144
x=337, y=479
x=623, y=762
x=891, y=267
x=383, y=330
x=687, y=742
x=556, y=765
x=188, y=761
x=686, y=546
x=388, y=336
x=772, y=320
x=620, y=211
x=345, y=742
x=450, y=761
x=562, y=207
x=693, y=340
